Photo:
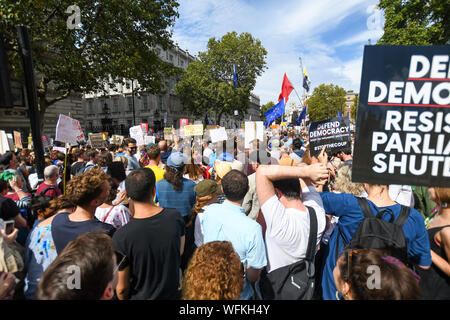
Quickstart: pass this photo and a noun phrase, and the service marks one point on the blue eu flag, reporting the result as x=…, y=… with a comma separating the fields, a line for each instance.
x=301, y=116
x=275, y=112
x=235, y=76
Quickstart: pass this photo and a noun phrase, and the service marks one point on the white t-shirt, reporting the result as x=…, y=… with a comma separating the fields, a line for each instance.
x=287, y=230
x=208, y=153
x=118, y=217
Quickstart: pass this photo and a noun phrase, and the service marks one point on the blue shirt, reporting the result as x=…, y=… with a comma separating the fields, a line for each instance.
x=183, y=200
x=346, y=207
x=228, y=222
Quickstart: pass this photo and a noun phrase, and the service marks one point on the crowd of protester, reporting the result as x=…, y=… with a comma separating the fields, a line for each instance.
x=191, y=219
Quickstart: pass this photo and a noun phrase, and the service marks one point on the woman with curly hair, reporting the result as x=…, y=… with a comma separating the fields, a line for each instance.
x=214, y=273
x=86, y=191
x=370, y=274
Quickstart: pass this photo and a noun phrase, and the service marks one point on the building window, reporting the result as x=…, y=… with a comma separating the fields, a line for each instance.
x=130, y=123
x=170, y=57
x=158, y=51
x=160, y=102
x=116, y=105
x=130, y=103
x=182, y=62
x=144, y=103
x=100, y=105
x=90, y=107
x=172, y=83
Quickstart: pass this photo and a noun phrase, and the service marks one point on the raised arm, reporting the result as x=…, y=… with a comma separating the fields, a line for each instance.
x=266, y=174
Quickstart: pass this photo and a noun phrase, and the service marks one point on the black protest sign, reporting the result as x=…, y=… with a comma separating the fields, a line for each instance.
x=403, y=121
x=334, y=134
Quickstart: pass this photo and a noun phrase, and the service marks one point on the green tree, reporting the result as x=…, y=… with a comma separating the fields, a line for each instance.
x=207, y=85
x=325, y=102
x=354, y=110
x=116, y=40
x=416, y=22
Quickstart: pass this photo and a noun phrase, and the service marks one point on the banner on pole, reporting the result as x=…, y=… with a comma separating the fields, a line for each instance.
x=403, y=120
x=17, y=140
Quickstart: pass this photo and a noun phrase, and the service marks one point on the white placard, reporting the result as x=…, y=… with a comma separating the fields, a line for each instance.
x=4, y=145
x=137, y=134
x=149, y=139
x=68, y=130
x=60, y=149
x=10, y=141
x=219, y=134
x=253, y=130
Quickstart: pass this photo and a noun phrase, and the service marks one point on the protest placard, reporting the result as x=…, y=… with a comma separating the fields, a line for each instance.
x=17, y=140
x=253, y=130
x=10, y=141
x=144, y=127
x=117, y=139
x=334, y=134
x=168, y=133
x=4, y=145
x=137, y=134
x=149, y=139
x=96, y=140
x=217, y=135
x=193, y=130
x=68, y=130
x=60, y=149
x=46, y=142
x=403, y=120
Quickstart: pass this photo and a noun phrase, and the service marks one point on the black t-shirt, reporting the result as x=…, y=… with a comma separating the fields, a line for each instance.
x=152, y=250
x=64, y=230
x=8, y=208
x=77, y=167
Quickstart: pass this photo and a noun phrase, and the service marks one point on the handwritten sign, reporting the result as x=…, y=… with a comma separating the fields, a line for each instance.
x=96, y=140
x=117, y=139
x=193, y=130
x=149, y=139
x=137, y=134
x=4, y=145
x=68, y=130
x=168, y=134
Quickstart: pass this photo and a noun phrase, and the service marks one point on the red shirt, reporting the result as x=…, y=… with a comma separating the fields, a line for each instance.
x=51, y=192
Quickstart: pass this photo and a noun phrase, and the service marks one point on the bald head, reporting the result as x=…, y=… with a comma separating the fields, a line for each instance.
x=162, y=145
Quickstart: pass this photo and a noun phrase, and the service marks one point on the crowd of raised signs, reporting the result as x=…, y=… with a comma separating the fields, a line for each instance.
x=191, y=219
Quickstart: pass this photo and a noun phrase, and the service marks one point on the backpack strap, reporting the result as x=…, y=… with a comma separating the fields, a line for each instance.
x=311, y=250
x=365, y=207
x=404, y=214
x=106, y=217
x=43, y=192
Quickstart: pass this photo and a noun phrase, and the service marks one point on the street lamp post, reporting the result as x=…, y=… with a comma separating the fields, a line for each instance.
x=132, y=95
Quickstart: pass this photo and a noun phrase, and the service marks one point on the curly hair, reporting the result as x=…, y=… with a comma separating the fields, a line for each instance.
x=343, y=182
x=174, y=177
x=84, y=188
x=199, y=204
x=397, y=281
x=193, y=171
x=214, y=273
x=60, y=203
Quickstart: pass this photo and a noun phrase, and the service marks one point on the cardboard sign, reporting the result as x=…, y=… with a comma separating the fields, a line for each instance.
x=117, y=139
x=10, y=141
x=218, y=135
x=334, y=134
x=253, y=130
x=144, y=127
x=137, y=134
x=403, y=121
x=168, y=134
x=17, y=140
x=96, y=140
x=68, y=130
x=193, y=130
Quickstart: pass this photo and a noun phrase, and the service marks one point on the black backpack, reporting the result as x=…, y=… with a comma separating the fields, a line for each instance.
x=295, y=281
x=376, y=233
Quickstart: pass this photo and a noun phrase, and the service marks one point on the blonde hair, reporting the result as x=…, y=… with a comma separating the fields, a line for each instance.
x=122, y=159
x=443, y=195
x=343, y=182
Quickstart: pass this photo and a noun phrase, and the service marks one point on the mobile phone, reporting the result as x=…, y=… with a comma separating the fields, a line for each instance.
x=9, y=226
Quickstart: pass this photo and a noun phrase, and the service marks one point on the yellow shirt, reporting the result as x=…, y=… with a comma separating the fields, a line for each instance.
x=159, y=173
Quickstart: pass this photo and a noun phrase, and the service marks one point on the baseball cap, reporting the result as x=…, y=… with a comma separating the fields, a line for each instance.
x=206, y=187
x=176, y=160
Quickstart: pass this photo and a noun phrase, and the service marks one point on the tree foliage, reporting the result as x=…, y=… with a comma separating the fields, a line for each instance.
x=325, y=102
x=115, y=40
x=207, y=85
x=416, y=22
x=354, y=109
